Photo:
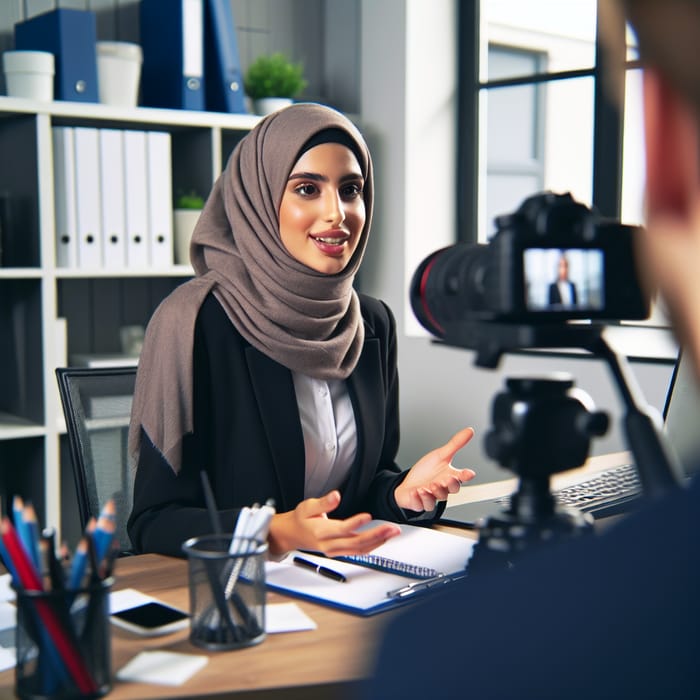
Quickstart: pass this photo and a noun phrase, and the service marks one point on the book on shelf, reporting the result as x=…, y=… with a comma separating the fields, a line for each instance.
x=71, y=36
x=222, y=66
x=113, y=202
x=172, y=38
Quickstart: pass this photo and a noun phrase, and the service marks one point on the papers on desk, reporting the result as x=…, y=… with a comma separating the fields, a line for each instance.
x=367, y=591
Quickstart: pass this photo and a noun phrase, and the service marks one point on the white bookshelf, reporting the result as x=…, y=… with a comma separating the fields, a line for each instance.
x=35, y=293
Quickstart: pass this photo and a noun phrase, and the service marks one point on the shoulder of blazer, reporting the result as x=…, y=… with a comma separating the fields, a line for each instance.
x=378, y=317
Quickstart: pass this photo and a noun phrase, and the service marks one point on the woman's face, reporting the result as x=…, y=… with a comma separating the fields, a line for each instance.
x=322, y=212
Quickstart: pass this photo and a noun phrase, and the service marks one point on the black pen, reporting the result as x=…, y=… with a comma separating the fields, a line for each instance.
x=323, y=570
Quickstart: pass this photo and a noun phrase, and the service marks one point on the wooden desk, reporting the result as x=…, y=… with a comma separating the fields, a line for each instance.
x=324, y=663
x=321, y=663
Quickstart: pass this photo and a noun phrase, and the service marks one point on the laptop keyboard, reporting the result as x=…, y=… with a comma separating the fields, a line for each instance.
x=605, y=494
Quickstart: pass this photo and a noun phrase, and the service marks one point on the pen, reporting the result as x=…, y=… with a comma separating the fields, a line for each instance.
x=323, y=570
x=420, y=586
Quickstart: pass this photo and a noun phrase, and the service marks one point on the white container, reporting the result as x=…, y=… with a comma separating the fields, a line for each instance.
x=268, y=105
x=183, y=226
x=29, y=74
x=119, y=72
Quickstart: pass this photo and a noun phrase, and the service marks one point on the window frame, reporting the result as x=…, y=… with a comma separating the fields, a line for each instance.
x=608, y=122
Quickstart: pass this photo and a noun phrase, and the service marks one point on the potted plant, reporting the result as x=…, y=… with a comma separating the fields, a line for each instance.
x=273, y=82
x=188, y=207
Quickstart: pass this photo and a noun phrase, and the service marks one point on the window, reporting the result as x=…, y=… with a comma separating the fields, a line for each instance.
x=534, y=113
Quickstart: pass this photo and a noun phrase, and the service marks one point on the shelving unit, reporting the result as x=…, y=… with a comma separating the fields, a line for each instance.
x=35, y=294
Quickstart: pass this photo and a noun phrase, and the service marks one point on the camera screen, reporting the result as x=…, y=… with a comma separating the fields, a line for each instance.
x=564, y=279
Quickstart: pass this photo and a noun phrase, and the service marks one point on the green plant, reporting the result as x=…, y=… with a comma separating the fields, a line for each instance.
x=274, y=76
x=191, y=200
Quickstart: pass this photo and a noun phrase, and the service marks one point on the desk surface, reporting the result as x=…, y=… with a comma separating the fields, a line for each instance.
x=309, y=664
x=321, y=663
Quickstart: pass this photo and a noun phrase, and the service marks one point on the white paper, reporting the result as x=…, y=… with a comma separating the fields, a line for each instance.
x=162, y=667
x=6, y=590
x=127, y=598
x=286, y=617
x=366, y=589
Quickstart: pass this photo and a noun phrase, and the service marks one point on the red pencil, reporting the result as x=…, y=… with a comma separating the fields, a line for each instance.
x=30, y=581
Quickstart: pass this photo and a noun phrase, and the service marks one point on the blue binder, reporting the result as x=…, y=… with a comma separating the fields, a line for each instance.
x=71, y=36
x=224, y=84
x=172, y=39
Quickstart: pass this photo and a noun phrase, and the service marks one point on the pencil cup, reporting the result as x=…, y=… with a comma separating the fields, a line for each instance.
x=63, y=643
x=227, y=591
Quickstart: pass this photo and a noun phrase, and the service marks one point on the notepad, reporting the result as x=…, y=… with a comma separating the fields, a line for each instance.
x=367, y=590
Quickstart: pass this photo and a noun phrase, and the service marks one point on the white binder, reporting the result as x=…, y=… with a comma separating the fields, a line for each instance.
x=112, y=198
x=64, y=197
x=136, y=194
x=160, y=199
x=87, y=197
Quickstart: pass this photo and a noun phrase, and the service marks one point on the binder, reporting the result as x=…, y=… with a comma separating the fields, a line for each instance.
x=160, y=199
x=136, y=196
x=71, y=36
x=113, y=204
x=172, y=39
x=87, y=196
x=367, y=591
x=64, y=197
x=222, y=66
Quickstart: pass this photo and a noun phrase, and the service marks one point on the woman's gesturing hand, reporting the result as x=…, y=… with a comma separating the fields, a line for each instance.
x=433, y=477
x=309, y=527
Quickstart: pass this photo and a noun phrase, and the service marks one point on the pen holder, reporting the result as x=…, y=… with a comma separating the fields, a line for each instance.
x=63, y=643
x=227, y=591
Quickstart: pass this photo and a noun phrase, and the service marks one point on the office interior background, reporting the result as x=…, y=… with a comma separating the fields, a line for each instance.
x=468, y=107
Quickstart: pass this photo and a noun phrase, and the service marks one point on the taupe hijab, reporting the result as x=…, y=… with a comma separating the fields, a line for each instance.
x=303, y=319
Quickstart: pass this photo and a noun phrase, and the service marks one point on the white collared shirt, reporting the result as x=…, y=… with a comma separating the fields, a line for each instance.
x=330, y=433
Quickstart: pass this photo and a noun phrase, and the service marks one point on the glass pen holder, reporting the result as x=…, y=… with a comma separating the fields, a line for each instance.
x=63, y=642
x=227, y=591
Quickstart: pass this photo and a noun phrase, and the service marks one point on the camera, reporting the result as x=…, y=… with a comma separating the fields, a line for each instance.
x=552, y=260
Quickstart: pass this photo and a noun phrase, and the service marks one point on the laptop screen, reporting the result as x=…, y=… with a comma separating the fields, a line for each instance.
x=682, y=415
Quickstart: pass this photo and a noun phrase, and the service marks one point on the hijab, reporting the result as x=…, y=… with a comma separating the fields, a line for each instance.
x=307, y=321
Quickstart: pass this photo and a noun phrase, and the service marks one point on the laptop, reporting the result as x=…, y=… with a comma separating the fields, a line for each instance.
x=617, y=489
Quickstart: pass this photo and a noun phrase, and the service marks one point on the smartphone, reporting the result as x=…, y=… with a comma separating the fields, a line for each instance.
x=151, y=619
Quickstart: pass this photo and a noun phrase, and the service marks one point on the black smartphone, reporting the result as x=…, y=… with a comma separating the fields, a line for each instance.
x=151, y=619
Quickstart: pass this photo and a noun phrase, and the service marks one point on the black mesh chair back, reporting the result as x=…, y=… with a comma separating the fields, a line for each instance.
x=97, y=408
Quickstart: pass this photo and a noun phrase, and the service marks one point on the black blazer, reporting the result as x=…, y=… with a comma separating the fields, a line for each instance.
x=248, y=436
x=555, y=296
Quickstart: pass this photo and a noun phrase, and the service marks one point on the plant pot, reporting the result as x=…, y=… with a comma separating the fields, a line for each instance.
x=29, y=74
x=268, y=105
x=184, y=221
x=119, y=72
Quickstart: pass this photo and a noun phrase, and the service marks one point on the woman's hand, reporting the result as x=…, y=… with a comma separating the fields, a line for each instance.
x=432, y=477
x=309, y=527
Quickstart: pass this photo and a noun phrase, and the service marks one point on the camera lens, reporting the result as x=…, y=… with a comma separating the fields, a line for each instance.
x=449, y=285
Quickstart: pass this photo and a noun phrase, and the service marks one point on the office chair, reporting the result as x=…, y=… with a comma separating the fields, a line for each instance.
x=97, y=408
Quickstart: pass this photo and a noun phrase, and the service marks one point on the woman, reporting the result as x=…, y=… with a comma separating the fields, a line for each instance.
x=268, y=370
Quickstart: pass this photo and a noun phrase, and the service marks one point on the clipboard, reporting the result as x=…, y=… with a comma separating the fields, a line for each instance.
x=368, y=591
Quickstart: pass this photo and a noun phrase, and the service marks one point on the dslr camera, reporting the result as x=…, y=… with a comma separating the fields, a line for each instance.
x=551, y=261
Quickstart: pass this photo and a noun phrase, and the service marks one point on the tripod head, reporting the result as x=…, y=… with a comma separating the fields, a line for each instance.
x=541, y=426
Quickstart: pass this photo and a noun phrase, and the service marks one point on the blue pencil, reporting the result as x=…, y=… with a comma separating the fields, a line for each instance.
x=79, y=564
x=103, y=534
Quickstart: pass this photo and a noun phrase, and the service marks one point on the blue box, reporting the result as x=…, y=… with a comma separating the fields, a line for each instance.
x=71, y=36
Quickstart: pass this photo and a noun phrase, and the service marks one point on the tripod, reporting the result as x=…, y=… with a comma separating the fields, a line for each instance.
x=541, y=426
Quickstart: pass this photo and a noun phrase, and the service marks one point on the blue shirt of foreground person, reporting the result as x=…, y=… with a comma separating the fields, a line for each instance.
x=614, y=616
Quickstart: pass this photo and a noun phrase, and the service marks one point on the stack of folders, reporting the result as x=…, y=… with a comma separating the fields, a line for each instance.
x=113, y=198
x=190, y=55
